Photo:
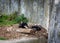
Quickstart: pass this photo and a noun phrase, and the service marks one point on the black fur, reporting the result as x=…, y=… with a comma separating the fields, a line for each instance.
x=22, y=25
x=36, y=27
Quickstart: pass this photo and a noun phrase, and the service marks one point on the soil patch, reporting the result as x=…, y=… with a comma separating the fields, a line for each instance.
x=9, y=32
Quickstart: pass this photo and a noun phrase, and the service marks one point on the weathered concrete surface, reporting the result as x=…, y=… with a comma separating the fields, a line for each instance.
x=25, y=40
x=54, y=24
x=18, y=40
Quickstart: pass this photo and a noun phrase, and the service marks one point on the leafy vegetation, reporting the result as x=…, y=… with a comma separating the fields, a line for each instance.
x=21, y=18
x=7, y=20
x=2, y=38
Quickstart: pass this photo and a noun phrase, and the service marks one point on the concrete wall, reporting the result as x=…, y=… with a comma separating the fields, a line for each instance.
x=35, y=10
x=54, y=24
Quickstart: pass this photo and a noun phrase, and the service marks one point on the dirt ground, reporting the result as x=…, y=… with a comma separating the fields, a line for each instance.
x=9, y=32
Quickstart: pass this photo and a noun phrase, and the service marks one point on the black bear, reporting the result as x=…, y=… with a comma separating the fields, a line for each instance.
x=36, y=27
x=23, y=25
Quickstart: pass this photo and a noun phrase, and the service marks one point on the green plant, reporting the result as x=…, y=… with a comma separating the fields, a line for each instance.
x=3, y=17
x=21, y=18
x=12, y=19
x=2, y=38
x=13, y=16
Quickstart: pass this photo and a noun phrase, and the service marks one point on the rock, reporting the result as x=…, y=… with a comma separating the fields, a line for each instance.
x=43, y=30
x=45, y=35
x=25, y=30
x=9, y=29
